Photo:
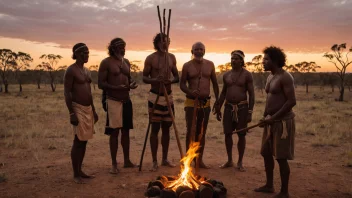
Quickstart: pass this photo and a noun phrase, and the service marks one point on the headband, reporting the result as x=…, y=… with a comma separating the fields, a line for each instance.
x=238, y=54
x=80, y=48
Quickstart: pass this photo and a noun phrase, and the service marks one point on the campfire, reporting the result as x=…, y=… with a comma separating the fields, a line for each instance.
x=186, y=184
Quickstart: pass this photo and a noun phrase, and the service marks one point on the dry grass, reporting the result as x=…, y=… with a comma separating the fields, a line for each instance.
x=37, y=120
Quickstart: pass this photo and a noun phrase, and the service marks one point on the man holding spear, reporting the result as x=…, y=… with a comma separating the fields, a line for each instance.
x=198, y=73
x=238, y=110
x=156, y=73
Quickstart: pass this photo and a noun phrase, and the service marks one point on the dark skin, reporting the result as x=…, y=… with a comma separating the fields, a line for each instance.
x=114, y=77
x=77, y=89
x=190, y=74
x=237, y=84
x=156, y=74
x=280, y=101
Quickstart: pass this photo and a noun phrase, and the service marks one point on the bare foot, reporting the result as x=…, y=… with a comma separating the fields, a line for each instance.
x=114, y=170
x=155, y=166
x=129, y=164
x=282, y=195
x=227, y=164
x=265, y=189
x=167, y=163
x=78, y=180
x=202, y=165
x=240, y=167
x=83, y=175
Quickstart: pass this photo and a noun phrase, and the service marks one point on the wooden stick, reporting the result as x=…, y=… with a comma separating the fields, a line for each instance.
x=145, y=144
x=161, y=29
x=173, y=121
x=251, y=127
x=164, y=21
x=147, y=133
x=167, y=40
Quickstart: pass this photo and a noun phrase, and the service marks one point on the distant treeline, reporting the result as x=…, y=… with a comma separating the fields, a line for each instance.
x=323, y=79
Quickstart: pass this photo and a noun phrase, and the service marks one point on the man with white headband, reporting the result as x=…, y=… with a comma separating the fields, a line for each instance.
x=79, y=101
x=115, y=80
x=198, y=73
x=238, y=82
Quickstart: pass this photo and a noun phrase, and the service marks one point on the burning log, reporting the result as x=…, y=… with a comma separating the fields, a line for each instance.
x=187, y=194
x=207, y=188
x=168, y=193
x=205, y=191
x=186, y=184
x=153, y=191
x=182, y=189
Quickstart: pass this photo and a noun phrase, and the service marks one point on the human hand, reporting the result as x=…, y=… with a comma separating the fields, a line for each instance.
x=73, y=119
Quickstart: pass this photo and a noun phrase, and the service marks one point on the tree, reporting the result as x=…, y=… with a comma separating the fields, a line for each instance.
x=50, y=66
x=305, y=68
x=22, y=63
x=39, y=72
x=339, y=58
x=224, y=68
x=7, y=61
x=257, y=66
x=93, y=68
x=134, y=66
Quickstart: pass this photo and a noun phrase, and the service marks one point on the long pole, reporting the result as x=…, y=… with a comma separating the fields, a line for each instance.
x=147, y=133
x=250, y=127
x=163, y=85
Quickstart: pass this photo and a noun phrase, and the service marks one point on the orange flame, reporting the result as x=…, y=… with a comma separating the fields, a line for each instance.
x=186, y=177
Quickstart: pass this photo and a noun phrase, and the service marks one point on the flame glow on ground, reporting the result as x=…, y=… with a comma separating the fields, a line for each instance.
x=186, y=177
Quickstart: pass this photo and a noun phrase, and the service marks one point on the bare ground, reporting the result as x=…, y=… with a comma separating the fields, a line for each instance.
x=35, y=144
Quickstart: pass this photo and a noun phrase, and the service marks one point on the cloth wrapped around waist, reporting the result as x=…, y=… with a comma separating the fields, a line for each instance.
x=85, y=128
x=235, y=108
x=202, y=103
x=287, y=118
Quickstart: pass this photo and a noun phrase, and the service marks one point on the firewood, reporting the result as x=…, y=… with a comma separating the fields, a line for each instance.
x=158, y=183
x=180, y=189
x=187, y=194
x=168, y=193
x=205, y=192
x=153, y=191
x=207, y=184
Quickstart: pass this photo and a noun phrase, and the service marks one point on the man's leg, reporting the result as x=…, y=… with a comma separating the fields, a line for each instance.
x=285, y=175
x=269, y=171
x=241, y=146
x=75, y=159
x=113, y=150
x=125, y=142
x=229, y=145
x=228, y=128
x=83, y=152
x=165, y=141
x=154, y=143
x=202, y=124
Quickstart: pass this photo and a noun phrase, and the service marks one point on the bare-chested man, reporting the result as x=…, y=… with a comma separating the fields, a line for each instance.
x=79, y=102
x=156, y=73
x=115, y=80
x=279, y=131
x=238, y=110
x=198, y=73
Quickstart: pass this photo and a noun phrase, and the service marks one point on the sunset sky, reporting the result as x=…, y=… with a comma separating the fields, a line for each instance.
x=305, y=29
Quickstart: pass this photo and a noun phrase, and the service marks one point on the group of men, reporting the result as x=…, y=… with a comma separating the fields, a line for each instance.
x=237, y=95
